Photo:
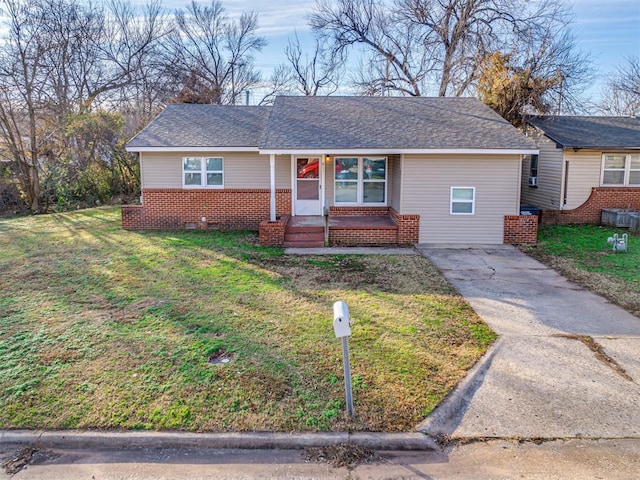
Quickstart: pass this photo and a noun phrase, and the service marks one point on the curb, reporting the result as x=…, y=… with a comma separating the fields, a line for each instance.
x=76, y=439
x=448, y=414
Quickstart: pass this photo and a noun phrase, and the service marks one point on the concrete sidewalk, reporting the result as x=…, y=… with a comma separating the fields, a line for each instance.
x=541, y=379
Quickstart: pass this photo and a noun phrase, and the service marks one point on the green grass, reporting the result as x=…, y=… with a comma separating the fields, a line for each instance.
x=104, y=328
x=582, y=253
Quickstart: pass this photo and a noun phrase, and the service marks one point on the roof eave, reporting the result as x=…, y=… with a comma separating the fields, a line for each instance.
x=217, y=148
x=599, y=147
x=398, y=151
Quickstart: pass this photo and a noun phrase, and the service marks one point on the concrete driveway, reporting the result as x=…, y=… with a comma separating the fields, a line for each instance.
x=566, y=365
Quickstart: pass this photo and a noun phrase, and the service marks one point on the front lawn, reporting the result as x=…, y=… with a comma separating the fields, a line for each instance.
x=207, y=331
x=581, y=253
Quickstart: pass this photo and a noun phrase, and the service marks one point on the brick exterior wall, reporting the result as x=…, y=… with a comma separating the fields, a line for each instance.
x=225, y=209
x=408, y=227
x=520, y=229
x=358, y=211
x=590, y=211
x=363, y=237
x=272, y=233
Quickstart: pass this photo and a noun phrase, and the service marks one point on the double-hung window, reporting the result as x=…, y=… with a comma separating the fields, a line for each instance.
x=463, y=201
x=203, y=172
x=360, y=180
x=620, y=169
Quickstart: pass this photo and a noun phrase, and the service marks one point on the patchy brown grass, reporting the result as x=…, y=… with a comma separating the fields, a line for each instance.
x=103, y=328
x=581, y=253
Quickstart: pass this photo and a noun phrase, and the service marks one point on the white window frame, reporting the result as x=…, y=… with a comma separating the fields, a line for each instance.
x=472, y=201
x=361, y=180
x=203, y=172
x=627, y=170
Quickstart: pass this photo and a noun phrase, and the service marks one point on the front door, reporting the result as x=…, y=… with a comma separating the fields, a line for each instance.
x=309, y=174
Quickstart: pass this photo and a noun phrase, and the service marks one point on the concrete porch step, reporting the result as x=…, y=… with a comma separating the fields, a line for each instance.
x=304, y=229
x=304, y=236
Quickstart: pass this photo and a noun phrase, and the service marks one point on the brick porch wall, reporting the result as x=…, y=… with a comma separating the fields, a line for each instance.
x=272, y=233
x=225, y=209
x=359, y=211
x=591, y=210
x=363, y=237
x=520, y=229
x=408, y=227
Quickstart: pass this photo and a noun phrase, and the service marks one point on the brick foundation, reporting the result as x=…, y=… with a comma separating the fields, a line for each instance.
x=590, y=211
x=272, y=233
x=225, y=209
x=520, y=229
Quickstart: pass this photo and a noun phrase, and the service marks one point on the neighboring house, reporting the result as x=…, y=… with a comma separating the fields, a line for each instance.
x=386, y=170
x=585, y=164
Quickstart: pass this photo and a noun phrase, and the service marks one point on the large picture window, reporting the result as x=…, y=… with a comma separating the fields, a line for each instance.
x=203, y=172
x=360, y=180
x=621, y=170
x=463, y=201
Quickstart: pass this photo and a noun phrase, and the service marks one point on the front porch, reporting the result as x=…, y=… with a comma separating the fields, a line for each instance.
x=375, y=227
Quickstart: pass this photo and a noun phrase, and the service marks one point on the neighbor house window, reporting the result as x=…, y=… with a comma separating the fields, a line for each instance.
x=203, y=172
x=621, y=169
x=360, y=180
x=533, y=166
x=463, y=200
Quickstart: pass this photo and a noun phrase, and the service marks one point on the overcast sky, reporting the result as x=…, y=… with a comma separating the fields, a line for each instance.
x=607, y=29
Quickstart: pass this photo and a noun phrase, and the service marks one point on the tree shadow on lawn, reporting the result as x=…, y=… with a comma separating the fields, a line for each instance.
x=139, y=314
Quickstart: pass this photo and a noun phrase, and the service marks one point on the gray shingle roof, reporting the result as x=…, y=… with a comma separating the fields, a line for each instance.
x=591, y=132
x=388, y=123
x=373, y=123
x=191, y=125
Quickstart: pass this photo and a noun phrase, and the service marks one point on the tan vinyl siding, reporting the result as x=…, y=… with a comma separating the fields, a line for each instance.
x=584, y=174
x=329, y=169
x=548, y=193
x=241, y=170
x=161, y=170
x=427, y=180
x=283, y=171
x=395, y=187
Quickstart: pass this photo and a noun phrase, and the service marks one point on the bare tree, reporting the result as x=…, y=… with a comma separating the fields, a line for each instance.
x=59, y=61
x=216, y=53
x=420, y=46
x=393, y=39
x=317, y=73
x=542, y=73
x=22, y=93
x=622, y=94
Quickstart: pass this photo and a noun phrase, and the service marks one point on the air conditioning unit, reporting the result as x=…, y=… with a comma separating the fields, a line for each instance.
x=533, y=181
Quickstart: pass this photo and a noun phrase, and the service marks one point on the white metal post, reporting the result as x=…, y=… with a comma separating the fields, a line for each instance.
x=272, y=203
x=347, y=376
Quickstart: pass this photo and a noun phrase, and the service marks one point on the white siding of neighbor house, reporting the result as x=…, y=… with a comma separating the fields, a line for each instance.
x=584, y=174
x=548, y=194
x=241, y=170
x=427, y=182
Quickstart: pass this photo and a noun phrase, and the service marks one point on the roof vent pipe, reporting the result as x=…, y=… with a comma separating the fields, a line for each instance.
x=247, y=97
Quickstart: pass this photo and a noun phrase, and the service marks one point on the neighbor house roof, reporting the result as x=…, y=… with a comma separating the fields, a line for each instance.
x=192, y=125
x=335, y=125
x=590, y=132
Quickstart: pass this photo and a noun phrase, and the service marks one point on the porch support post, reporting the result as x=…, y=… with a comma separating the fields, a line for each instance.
x=272, y=203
